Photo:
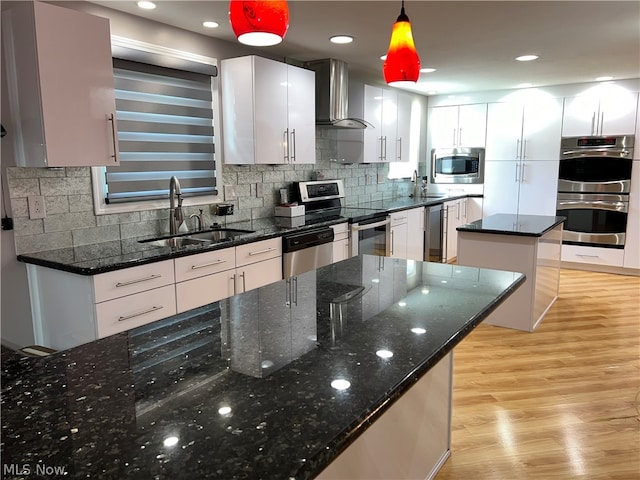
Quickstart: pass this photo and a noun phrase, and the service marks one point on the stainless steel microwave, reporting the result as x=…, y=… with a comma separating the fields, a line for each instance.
x=457, y=165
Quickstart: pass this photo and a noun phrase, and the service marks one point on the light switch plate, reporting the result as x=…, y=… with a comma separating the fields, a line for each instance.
x=259, y=190
x=36, y=207
x=381, y=178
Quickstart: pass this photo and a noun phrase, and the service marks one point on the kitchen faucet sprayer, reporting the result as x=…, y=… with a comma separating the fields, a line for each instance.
x=176, y=215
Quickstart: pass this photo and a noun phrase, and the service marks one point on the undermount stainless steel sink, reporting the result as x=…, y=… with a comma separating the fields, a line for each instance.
x=197, y=238
x=219, y=234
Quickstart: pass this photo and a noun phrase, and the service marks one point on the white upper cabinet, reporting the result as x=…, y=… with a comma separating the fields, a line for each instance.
x=268, y=112
x=61, y=87
x=530, y=131
x=381, y=110
x=458, y=126
x=606, y=109
x=403, y=136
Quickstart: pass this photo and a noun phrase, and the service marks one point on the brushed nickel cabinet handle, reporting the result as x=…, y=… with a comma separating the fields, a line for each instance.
x=114, y=133
x=210, y=264
x=139, y=314
x=259, y=252
x=138, y=280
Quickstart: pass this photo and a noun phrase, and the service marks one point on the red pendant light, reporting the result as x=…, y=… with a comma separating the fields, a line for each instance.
x=259, y=23
x=402, y=63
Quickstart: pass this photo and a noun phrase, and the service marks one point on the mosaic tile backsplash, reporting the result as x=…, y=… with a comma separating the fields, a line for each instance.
x=71, y=222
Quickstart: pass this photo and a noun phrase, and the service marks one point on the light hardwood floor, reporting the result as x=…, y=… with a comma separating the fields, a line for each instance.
x=559, y=403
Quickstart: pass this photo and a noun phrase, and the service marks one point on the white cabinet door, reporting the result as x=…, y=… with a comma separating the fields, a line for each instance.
x=415, y=234
x=472, y=125
x=529, y=132
x=608, y=110
x=340, y=242
x=403, y=137
x=538, y=188
x=453, y=216
x=504, y=132
x=443, y=126
x=618, y=113
x=458, y=126
x=501, y=187
x=301, y=115
x=258, y=274
x=398, y=245
x=632, y=241
x=381, y=110
x=271, y=116
x=204, y=290
x=268, y=112
x=61, y=84
x=541, y=129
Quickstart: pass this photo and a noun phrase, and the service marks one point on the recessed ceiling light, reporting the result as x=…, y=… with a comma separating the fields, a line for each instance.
x=341, y=39
x=210, y=24
x=147, y=5
x=427, y=70
x=527, y=58
x=604, y=79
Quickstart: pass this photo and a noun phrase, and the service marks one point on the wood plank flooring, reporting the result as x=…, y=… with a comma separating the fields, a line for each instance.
x=559, y=403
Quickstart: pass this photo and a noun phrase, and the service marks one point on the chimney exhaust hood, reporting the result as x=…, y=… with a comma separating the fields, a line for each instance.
x=332, y=94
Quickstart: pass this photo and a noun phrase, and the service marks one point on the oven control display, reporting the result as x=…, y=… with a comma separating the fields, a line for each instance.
x=597, y=142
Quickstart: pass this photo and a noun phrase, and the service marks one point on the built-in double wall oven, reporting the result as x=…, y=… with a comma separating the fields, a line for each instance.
x=593, y=189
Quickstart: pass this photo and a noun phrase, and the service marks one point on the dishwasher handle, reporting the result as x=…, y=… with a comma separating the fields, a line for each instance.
x=369, y=226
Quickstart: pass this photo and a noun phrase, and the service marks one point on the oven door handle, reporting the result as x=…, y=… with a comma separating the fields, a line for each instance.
x=586, y=153
x=369, y=226
x=600, y=205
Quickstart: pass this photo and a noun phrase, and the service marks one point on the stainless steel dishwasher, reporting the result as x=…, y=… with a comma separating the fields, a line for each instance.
x=307, y=250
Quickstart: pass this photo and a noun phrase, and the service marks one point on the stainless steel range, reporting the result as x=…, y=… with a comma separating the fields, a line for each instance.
x=593, y=189
x=370, y=230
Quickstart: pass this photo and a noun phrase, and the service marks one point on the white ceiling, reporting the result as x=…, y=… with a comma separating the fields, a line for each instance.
x=472, y=44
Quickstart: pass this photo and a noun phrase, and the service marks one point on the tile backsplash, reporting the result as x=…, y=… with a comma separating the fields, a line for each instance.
x=71, y=222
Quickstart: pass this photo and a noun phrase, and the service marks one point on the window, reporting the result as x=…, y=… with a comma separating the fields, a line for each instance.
x=166, y=117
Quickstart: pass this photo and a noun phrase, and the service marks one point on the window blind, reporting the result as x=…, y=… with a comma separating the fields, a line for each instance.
x=165, y=127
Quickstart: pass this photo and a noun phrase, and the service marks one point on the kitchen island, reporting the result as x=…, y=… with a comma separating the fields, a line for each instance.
x=530, y=244
x=283, y=381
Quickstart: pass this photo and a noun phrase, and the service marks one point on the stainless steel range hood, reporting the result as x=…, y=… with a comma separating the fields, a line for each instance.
x=332, y=94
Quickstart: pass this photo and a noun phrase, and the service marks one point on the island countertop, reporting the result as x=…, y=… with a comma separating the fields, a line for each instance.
x=513, y=224
x=245, y=390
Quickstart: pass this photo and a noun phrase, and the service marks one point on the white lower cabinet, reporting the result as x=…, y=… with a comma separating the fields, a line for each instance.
x=406, y=237
x=398, y=234
x=524, y=187
x=71, y=309
x=212, y=276
x=611, y=257
x=415, y=234
x=133, y=311
x=455, y=214
x=340, y=242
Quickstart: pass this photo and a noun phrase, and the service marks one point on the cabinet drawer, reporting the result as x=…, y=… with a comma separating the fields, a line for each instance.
x=398, y=218
x=133, y=311
x=202, y=264
x=258, y=274
x=204, y=290
x=594, y=255
x=340, y=231
x=258, y=251
x=128, y=281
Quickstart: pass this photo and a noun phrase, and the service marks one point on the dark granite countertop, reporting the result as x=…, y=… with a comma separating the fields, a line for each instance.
x=118, y=254
x=511, y=224
x=242, y=389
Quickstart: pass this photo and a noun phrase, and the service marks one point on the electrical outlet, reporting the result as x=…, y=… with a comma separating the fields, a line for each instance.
x=381, y=177
x=36, y=207
x=229, y=192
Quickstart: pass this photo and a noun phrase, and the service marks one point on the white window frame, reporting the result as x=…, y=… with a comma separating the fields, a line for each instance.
x=98, y=173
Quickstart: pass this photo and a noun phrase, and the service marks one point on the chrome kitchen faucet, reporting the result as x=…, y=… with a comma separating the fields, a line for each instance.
x=176, y=215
